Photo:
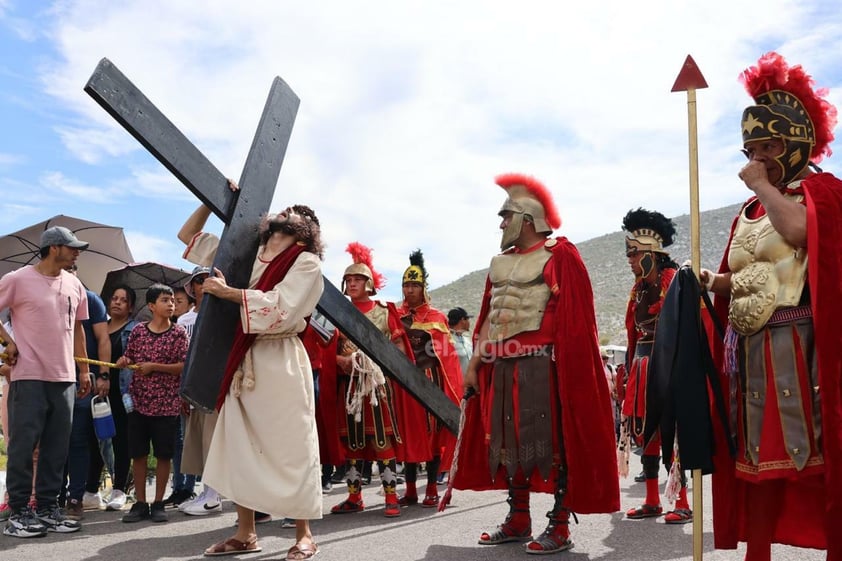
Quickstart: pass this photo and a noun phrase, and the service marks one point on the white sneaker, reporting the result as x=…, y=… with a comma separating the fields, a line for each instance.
x=196, y=500
x=92, y=501
x=117, y=500
x=203, y=508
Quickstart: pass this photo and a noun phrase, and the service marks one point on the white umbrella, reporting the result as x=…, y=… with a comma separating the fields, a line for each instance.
x=107, y=250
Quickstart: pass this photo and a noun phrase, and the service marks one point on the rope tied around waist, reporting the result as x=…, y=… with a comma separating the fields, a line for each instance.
x=244, y=375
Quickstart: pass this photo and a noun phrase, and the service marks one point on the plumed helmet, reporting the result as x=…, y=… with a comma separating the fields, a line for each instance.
x=647, y=230
x=526, y=198
x=362, y=266
x=788, y=108
x=416, y=272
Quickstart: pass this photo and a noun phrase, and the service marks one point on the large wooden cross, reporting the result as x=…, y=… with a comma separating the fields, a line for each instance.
x=214, y=330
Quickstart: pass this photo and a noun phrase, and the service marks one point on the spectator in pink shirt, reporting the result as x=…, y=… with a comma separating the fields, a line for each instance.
x=48, y=305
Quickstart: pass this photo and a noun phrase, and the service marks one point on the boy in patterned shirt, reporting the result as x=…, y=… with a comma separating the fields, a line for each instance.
x=157, y=348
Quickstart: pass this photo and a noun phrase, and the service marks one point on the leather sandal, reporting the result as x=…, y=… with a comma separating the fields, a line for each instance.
x=430, y=501
x=547, y=543
x=347, y=506
x=645, y=511
x=678, y=516
x=233, y=546
x=301, y=551
x=505, y=534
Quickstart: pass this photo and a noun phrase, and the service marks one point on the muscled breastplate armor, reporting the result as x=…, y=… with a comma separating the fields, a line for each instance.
x=519, y=294
x=767, y=273
x=379, y=316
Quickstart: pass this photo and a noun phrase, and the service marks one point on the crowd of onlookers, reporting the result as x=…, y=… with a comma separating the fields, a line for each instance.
x=135, y=366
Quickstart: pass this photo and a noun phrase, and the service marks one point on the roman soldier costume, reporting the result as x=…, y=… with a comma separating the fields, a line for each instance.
x=783, y=349
x=542, y=420
x=367, y=418
x=429, y=338
x=648, y=233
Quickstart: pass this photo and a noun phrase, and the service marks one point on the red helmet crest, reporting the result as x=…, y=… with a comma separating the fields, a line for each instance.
x=534, y=189
x=362, y=256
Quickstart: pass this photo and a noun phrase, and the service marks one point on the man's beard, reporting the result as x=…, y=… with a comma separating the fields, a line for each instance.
x=299, y=229
x=285, y=226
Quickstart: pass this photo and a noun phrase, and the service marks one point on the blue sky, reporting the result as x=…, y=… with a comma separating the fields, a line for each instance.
x=409, y=110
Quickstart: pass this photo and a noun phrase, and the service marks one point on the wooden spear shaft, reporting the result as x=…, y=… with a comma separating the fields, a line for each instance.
x=690, y=79
x=696, y=259
x=695, y=232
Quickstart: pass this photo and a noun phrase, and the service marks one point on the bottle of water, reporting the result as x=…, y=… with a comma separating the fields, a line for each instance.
x=128, y=404
x=103, y=419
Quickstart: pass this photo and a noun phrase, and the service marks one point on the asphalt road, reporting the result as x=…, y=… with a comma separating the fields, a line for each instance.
x=419, y=534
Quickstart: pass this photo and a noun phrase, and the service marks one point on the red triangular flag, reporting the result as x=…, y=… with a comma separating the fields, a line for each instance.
x=690, y=77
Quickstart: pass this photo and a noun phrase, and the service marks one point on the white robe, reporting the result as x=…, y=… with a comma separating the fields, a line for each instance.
x=265, y=450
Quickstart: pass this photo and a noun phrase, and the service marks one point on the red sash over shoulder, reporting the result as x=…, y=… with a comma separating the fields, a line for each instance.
x=274, y=273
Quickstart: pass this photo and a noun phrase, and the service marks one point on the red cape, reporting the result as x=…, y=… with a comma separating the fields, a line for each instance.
x=587, y=422
x=330, y=447
x=823, y=195
x=436, y=325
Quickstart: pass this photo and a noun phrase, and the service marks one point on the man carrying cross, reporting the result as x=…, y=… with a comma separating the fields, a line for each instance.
x=267, y=391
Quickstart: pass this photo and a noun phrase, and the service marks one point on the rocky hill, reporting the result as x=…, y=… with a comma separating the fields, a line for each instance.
x=611, y=278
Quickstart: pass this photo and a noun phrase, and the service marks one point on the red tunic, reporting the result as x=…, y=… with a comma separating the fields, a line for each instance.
x=330, y=449
x=409, y=444
x=634, y=400
x=445, y=372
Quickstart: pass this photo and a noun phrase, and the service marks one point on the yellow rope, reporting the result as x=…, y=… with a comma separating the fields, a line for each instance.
x=5, y=356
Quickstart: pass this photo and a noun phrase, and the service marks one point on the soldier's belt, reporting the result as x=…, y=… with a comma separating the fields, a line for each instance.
x=788, y=315
x=643, y=348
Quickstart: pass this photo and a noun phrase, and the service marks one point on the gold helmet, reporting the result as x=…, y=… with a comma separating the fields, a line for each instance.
x=648, y=232
x=362, y=266
x=527, y=198
x=787, y=108
x=416, y=272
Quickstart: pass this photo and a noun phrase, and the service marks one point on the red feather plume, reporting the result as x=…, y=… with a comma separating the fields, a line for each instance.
x=538, y=190
x=362, y=254
x=773, y=73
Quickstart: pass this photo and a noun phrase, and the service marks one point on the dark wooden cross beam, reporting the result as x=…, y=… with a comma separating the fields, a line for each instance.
x=240, y=212
x=341, y=312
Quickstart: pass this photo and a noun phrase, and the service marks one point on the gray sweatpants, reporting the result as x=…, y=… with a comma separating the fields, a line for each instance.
x=40, y=414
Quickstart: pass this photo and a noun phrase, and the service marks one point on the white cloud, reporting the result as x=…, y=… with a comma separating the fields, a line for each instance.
x=146, y=247
x=19, y=26
x=57, y=181
x=9, y=160
x=408, y=111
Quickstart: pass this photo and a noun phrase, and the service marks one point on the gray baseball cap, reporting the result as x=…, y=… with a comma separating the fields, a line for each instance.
x=197, y=272
x=59, y=235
